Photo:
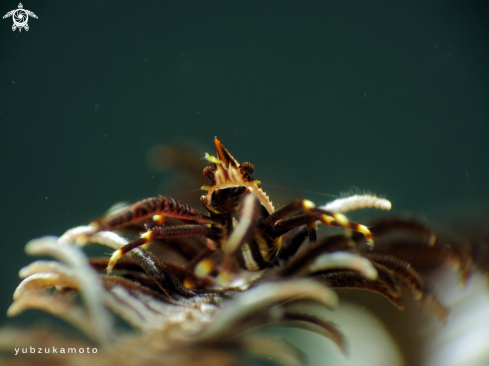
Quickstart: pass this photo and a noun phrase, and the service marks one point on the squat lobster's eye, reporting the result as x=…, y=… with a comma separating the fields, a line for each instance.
x=209, y=173
x=246, y=169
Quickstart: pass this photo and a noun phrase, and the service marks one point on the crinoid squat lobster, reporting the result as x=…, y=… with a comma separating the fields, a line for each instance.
x=248, y=264
x=241, y=220
x=245, y=235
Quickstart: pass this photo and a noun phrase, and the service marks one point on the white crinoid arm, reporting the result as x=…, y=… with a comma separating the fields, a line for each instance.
x=356, y=202
x=9, y=14
x=73, y=271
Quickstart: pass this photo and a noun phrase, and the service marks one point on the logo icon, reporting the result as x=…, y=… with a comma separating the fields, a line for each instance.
x=20, y=17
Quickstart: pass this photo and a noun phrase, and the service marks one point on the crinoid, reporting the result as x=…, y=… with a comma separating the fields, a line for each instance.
x=253, y=263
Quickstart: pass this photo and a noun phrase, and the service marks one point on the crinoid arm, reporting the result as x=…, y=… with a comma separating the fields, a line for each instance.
x=75, y=273
x=261, y=298
x=356, y=202
x=141, y=307
x=354, y=280
x=168, y=282
x=403, y=271
x=402, y=225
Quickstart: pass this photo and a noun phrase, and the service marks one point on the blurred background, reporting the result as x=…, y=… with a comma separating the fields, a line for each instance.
x=321, y=96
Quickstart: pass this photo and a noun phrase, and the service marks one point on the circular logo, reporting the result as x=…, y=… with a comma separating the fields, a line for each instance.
x=20, y=18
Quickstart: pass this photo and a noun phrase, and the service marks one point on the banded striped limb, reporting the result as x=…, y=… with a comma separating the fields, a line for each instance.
x=161, y=274
x=160, y=232
x=156, y=207
x=292, y=215
x=128, y=268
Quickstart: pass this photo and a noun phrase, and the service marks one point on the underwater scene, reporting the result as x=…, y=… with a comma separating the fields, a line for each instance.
x=244, y=183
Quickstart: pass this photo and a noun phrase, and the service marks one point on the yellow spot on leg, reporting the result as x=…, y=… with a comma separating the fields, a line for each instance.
x=368, y=235
x=113, y=260
x=308, y=205
x=149, y=235
x=326, y=220
x=342, y=220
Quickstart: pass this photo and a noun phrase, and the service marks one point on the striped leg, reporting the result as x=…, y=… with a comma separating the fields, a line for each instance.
x=287, y=210
x=337, y=219
x=128, y=268
x=281, y=221
x=160, y=232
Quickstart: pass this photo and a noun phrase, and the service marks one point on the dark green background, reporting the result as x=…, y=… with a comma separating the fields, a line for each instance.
x=390, y=96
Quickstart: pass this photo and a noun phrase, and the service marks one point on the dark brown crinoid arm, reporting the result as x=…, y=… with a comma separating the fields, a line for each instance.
x=402, y=226
x=406, y=249
x=354, y=280
x=402, y=270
